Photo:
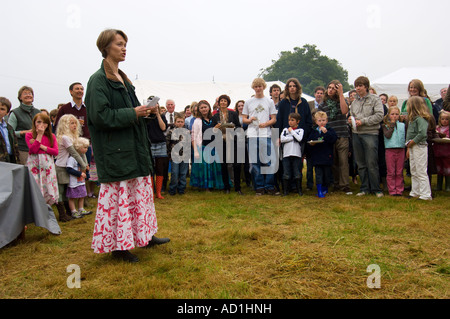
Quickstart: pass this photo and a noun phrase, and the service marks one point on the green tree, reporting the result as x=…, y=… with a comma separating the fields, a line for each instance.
x=307, y=65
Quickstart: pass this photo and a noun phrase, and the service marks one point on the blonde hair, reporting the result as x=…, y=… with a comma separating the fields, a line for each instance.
x=80, y=142
x=394, y=98
x=63, y=128
x=386, y=117
x=416, y=107
x=259, y=82
x=319, y=115
x=443, y=114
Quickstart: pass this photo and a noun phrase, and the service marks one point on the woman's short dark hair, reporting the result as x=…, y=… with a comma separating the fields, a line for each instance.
x=106, y=37
x=225, y=97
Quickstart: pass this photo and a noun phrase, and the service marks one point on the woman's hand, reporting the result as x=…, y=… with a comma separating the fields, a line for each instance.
x=142, y=110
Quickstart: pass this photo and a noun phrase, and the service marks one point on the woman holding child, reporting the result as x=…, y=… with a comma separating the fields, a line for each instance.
x=126, y=215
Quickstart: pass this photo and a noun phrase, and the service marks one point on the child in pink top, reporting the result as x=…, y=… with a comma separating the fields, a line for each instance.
x=442, y=152
x=43, y=147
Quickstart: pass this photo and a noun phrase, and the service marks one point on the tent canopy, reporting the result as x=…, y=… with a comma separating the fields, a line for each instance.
x=396, y=83
x=185, y=93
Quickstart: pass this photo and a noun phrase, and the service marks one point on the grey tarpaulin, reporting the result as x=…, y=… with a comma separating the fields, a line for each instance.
x=22, y=203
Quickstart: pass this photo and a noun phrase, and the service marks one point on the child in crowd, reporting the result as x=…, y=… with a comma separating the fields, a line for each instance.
x=43, y=146
x=9, y=149
x=392, y=101
x=292, y=154
x=321, y=143
x=68, y=131
x=442, y=152
x=394, y=141
x=417, y=147
x=77, y=186
x=180, y=167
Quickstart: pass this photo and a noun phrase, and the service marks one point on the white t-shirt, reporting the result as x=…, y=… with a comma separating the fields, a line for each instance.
x=262, y=109
x=73, y=181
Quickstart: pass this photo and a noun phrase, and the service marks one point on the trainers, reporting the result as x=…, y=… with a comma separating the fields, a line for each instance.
x=259, y=192
x=273, y=191
x=76, y=214
x=83, y=212
x=379, y=194
x=361, y=194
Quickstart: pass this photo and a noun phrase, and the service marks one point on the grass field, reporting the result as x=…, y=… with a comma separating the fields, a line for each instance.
x=230, y=246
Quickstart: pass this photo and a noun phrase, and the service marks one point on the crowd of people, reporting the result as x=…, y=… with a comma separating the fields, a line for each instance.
x=262, y=141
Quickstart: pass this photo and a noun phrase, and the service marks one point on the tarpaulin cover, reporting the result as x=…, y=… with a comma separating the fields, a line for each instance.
x=22, y=203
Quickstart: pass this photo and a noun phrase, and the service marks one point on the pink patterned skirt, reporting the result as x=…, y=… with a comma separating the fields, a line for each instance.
x=125, y=216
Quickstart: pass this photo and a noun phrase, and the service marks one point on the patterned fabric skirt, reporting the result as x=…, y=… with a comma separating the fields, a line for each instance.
x=125, y=215
x=206, y=174
x=42, y=167
x=93, y=177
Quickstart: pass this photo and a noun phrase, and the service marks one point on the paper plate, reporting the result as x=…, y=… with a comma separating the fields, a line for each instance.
x=353, y=123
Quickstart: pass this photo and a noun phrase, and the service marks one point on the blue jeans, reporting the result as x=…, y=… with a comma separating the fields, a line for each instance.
x=365, y=148
x=264, y=162
x=178, y=178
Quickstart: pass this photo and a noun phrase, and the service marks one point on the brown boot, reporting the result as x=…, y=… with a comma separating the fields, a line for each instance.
x=63, y=217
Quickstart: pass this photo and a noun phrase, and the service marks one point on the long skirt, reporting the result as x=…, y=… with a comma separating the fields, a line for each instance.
x=42, y=167
x=206, y=173
x=125, y=216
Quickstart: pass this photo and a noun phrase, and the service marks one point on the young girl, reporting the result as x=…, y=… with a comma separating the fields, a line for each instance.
x=442, y=152
x=43, y=147
x=417, y=147
x=394, y=141
x=67, y=132
x=392, y=101
x=77, y=186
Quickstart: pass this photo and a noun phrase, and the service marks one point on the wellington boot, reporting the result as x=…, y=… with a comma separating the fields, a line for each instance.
x=298, y=186
x=447, y=183
x=63, y=217
x=159, y=183
x=319, y=191
x=440, y=182
x=285, y=187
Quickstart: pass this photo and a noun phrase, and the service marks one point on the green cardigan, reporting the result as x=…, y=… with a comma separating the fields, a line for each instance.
x=119, y=139
x=427, y=102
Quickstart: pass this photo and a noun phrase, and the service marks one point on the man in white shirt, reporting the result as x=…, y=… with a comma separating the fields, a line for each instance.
x=260, y=114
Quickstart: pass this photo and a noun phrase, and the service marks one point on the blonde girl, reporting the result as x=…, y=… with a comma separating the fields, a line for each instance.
x=417, y=147
x=43, y=147
x=67, y=133
x=76, y=188
x=442, y=152
x=392, y=101
x=394, y=142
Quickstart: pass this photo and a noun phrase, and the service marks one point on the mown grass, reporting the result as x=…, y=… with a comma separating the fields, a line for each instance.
x=230, y=246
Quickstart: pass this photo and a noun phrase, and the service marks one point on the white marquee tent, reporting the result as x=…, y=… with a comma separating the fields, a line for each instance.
x=396, y=83
x=185, y=93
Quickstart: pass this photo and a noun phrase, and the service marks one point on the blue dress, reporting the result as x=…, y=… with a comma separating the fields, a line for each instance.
x=205, y=174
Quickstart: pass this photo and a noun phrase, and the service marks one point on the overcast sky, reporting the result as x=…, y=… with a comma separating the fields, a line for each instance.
x=49, y=44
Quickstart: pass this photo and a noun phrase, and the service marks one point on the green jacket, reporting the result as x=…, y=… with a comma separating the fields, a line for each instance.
x=4, y=156
x=119, y=139
x=418, y=131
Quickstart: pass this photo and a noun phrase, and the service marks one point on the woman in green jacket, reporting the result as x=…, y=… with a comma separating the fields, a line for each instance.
x=126, y=213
